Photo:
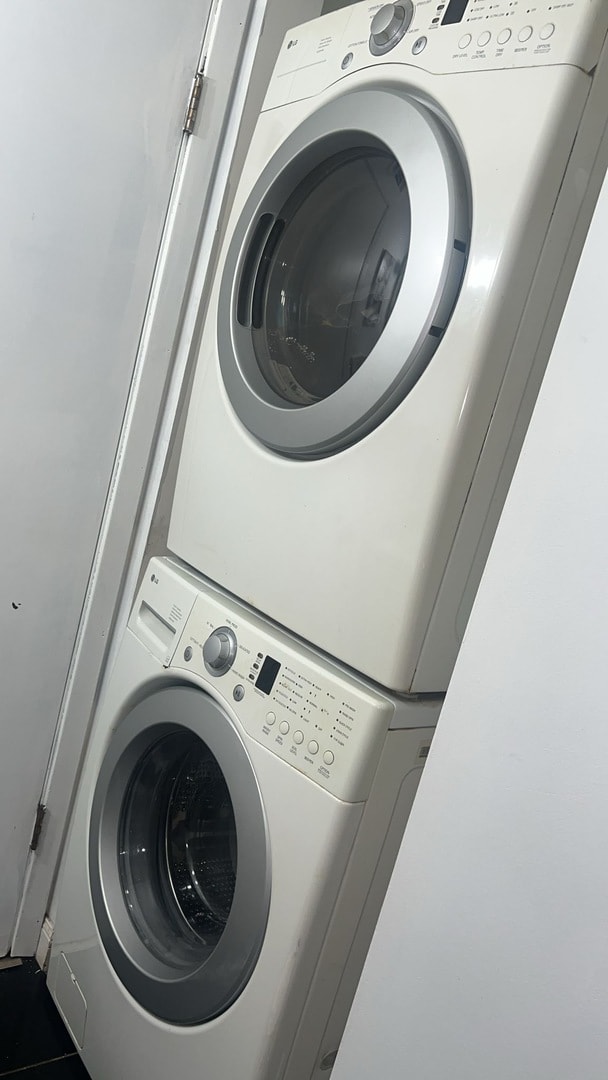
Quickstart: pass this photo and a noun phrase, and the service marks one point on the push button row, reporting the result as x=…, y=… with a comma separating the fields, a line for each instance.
x=298, y=738
x=505, y=35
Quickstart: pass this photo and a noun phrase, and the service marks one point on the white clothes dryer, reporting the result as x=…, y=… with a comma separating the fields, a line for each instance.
x=401, y=244
x=238, y=816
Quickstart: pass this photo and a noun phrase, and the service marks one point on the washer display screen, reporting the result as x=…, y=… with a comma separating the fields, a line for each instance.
x=268, y=673
x=454, y=12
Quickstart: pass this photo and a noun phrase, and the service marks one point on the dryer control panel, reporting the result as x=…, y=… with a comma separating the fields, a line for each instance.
x=439, y=36
x=324, y=722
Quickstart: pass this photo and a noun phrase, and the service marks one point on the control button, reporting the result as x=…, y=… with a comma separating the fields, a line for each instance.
x=284, y=727
x=219, y=651
x=525, y=33
x=313, y=747
x=465, y=41
x=270, y=718
x=547, y=31
x=419, y=45
x=347, y=61
x=503, y=37
x=298, y=737
x=483, y=39
x=188, y=653
x=239, y=692
x=328, y=757
x=389, y=25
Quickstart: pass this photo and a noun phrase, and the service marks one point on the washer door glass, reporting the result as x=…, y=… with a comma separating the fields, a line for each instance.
x=178, y=850
x=330, y=274
x=179, y=858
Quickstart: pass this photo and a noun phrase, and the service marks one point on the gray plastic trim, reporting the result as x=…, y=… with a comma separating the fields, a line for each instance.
x=196, y=995
x=440, y=229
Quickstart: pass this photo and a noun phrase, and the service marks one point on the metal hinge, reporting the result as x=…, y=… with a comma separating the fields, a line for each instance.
x=194, y=101
x=40, y=815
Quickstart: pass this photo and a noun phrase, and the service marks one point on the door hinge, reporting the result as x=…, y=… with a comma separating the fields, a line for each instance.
x=39, y=819
x=193, y=102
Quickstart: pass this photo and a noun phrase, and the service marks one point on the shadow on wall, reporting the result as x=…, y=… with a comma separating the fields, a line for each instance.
x=335, y=5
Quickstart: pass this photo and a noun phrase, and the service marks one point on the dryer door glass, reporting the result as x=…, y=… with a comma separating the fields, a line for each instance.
x=178, y=850
x=341, y=270
x=330, y=273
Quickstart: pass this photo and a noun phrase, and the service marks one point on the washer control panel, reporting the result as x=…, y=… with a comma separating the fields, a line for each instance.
x=440, y=36
x=320, y=719
x=329, y=727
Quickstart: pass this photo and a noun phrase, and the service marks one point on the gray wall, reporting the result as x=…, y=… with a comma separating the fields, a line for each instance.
x=92, y=102
x=490, y=961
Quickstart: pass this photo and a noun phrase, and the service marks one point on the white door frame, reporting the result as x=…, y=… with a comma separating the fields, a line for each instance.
x=169, y=328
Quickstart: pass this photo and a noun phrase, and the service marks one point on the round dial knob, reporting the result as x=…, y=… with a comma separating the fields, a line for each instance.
x=389, y=25
x=219, y=651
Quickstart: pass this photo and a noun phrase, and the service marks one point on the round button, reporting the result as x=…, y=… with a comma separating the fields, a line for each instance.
x=503, y=37
x=547, y=31
x=298, y=737
x=239, y=692
x=313, y=747
x=465, y=41
x=284, y=727
x=389, y=25
x=328, y=757
x=347, y=61
x=219, y=651
x=419, y=45
x=525, y=33
x=483, y=39
x=270, y=718
x=188, y=652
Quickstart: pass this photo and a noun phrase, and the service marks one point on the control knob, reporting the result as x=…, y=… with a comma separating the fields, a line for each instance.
x=388, y=26
x=219, y=651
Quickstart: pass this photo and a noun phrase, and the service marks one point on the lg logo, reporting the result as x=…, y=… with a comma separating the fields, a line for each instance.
x=290, y=44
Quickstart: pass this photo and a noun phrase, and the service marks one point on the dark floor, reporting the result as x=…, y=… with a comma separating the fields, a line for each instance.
x=34, y=1043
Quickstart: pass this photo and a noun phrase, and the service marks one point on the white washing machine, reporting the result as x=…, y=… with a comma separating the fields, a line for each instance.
x=402, y=240
x=238, y=816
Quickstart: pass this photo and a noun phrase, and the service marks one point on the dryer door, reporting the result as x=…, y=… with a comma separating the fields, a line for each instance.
x=342, y=272
x=178, y=857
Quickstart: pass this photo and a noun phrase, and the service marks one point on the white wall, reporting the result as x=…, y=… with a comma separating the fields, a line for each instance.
x=92, y=99
x=490, y=960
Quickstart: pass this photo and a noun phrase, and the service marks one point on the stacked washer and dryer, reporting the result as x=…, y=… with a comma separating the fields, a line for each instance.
x=398, y=255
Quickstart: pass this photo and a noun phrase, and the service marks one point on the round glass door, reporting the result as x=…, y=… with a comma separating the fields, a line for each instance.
x=178, y=857
x=330, y=273
x=177, y=850
x=342, y=272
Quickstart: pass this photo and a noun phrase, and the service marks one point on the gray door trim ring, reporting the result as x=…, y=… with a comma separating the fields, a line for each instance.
x=194, y=996
x=439, y=196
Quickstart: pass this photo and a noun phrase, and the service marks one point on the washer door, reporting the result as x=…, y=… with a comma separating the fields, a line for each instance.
x=342, y=273
x=178, y=857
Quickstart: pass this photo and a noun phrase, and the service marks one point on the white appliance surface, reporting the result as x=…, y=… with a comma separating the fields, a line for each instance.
x=371, y=549
x=335, y=764
x=493, y=962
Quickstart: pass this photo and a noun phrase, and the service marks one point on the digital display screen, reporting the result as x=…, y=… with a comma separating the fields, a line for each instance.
x=268, y=673
x=454, y=12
